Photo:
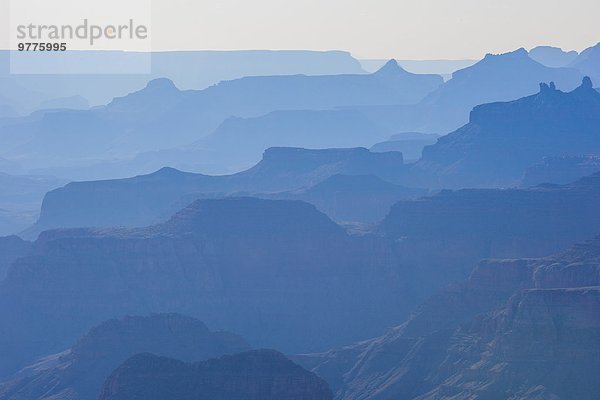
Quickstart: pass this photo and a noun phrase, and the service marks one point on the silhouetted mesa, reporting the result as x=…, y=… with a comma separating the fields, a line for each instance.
x=148, y=199
x=254, y=375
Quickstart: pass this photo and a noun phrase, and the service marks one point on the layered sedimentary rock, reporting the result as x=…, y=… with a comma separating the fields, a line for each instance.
x=544, y=344
x=518, y=329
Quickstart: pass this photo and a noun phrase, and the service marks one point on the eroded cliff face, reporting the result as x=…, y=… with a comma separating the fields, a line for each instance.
x=280, y=273
x=515, y=329
x=456, y=229
x=502, y=140
x=543, y=344
x=254, y=375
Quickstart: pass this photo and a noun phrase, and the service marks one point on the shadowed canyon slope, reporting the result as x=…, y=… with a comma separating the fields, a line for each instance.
x=278, y=272
x=384, y=259
x=80, y=372
x=516, y=329
x=447, y=233
x=268, y=269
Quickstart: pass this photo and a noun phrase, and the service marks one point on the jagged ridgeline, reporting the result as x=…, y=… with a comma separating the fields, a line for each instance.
x=369, y=255
x=280, y=273
x=503, y=139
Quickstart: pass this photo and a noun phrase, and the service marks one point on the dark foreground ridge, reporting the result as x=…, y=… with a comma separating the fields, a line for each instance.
x=254, y=375
x=78, y=373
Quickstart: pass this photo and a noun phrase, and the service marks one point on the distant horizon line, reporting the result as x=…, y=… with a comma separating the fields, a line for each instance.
x=357, y=57
x=349, y=52
x=261, y=50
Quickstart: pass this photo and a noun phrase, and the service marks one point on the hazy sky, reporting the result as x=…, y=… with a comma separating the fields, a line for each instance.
x=405, y=29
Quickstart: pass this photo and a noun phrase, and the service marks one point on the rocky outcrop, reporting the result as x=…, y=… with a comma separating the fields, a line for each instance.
x=543, y=344
x=503, y=139
x=515, y=329
x=255, y=375
x=79, y=373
